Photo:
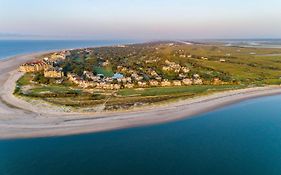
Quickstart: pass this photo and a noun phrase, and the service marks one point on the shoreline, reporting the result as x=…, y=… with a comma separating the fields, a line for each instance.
x=20, y=119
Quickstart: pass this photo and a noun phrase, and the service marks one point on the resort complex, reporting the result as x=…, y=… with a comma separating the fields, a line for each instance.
x=168, y=73
x=135, y=75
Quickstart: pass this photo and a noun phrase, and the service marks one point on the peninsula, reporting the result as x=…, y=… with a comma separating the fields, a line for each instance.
x=96, y=89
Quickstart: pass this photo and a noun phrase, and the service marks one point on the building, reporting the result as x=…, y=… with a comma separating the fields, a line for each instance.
x=34, y=66
x=53, y=72
x=124, y=80
x=166, y=68
x=57, y=56
x=185, y=69
x=129, y=85
x=158, y=78
x=153, y=83
x=182, y=75
x=217, y=81
x=137, y=77
x=117, y=86
x=197, y=81
x=117, y=76
x=129, y=80
x=142, y=84
x=165, y=83
x=154, y=73
x=106, y=63
x=91, y=76
x=177, y=83
x=196, y=76
x=187, y=81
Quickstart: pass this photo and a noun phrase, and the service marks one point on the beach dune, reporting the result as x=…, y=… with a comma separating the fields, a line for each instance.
x=20, y=119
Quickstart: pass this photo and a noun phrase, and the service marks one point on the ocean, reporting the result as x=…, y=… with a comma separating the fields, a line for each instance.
x=10, y=48
x=244, y=138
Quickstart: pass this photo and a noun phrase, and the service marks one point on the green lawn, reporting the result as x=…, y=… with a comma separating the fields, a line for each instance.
x=174, y=90
x=106, y=71
x=54, y=89
x=24, y=80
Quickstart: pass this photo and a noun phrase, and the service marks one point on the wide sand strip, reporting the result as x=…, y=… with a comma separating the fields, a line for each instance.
x=20, y=119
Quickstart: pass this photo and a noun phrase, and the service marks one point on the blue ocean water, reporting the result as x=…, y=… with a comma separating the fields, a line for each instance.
x=14, y=47
x=244, y=138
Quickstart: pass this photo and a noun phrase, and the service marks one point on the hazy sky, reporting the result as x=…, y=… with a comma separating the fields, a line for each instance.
x=141, y=19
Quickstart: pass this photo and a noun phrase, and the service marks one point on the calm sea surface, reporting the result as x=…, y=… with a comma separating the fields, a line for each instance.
x=242, y=139
x=14, y=47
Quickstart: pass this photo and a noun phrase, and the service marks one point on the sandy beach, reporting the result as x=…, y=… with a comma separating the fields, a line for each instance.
x=20, y=119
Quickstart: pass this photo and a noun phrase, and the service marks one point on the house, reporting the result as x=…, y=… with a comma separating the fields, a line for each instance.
x=54, y=72
x=196, y=76
x=57, y=56
x=75, y=79
x=158, y=78
x=108, y=86
x=117, y=86
x=137, y=77
x=167, y=62
x=100, y=85
x=177, y=83
x=142, y=84
x=129, y=85
x=151, y=61
x=171, y=66
x=165, y=83
x=34, y=66
x=129, y=79
x=216, y=81
x=185, y=70
x=153, y=83
x=117, y=76
x=91, y=76
x=71, y=76
x=187, y=81
x=197, y=81
x=124, y=80
x=106, y=63
x=182, y=75
x=177, y=70
x=153, y=73
x=166, y=68
x=108, y=79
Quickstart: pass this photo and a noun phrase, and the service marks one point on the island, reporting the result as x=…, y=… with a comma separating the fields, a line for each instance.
x=96, y=89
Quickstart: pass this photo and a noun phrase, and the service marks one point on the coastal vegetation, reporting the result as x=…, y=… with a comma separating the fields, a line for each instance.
x=122, y=77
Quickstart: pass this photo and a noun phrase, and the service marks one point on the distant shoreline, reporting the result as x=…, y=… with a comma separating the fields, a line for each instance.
x=20, y=119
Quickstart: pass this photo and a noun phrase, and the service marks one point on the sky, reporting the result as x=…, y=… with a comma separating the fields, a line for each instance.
x=140, y=19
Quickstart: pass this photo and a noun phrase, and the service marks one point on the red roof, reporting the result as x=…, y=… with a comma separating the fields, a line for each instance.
x=35, y=62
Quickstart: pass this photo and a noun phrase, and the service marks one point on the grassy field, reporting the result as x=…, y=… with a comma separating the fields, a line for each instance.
x=111, y=100
x=242, y=67
x=158, y=91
